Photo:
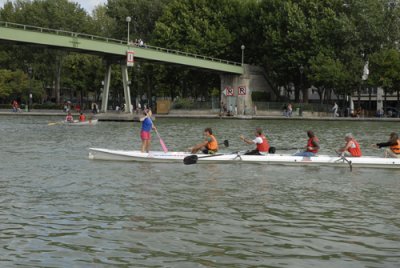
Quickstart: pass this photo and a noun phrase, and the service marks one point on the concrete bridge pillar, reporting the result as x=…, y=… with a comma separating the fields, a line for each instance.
x=236, y=92
x=106, y=89
x=127, y=92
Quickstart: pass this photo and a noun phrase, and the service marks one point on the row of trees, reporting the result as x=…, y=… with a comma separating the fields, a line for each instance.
x=300, y=43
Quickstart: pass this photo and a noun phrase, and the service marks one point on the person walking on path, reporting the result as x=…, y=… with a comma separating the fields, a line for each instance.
x=335, y=109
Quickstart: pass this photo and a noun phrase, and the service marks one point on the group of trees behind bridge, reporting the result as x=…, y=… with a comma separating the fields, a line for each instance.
x=300, y=43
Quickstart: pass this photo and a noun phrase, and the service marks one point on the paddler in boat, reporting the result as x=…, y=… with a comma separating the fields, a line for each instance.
x=69, y=118
x=208, y=146
x=261, y=142
x=394, y=146
x=82, y=117
x=352, y=148
x=312, y=145
x=147, y=126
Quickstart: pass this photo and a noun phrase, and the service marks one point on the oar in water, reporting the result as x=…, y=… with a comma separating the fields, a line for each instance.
x=192, y=159
x=54, y=123
x=345, y=159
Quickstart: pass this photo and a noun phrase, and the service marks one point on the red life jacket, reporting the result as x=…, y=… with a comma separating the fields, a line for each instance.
x=264, y=146
x=310, y=144
x=355, y=152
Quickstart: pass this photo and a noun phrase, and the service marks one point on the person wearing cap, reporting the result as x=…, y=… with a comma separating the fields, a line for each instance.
x=394, y=146
x=312, y=145
x=352, y=147
x=147, y=126
x=261, y=142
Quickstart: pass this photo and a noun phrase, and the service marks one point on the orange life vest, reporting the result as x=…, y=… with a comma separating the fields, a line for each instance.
x=213, y=144
x=310, y=144
x=396, y=148
x=355, y=152
x=264, y=146
x=82, y=118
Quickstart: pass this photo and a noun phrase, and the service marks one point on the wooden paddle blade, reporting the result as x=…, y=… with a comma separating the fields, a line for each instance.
x=226, y=143
x=191, y=159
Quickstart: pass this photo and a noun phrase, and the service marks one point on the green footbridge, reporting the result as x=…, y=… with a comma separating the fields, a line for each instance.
x=111, y=49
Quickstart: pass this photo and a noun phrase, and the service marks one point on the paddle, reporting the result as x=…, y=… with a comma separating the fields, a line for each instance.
x=54, y=123
x=164, y=147
x=192, y=159
x=345, y=159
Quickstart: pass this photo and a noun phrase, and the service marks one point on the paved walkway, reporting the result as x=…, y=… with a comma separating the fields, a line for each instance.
x=115, y=116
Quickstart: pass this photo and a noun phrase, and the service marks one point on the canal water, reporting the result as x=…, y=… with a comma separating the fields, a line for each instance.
x=59, y=209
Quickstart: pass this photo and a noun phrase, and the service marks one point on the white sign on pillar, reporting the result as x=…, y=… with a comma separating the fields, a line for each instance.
x=241, y=90
x=130, y=58
x=229, y=91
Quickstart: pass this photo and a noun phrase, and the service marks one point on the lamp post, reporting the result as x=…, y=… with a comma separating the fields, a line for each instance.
x=301, y=69
x=128, y=20
x=242, y=47
x=30, y=88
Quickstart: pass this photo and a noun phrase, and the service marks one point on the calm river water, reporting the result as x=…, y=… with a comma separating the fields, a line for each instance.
x=59, y=209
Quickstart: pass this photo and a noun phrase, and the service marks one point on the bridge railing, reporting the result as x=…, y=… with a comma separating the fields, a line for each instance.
x=111, y=40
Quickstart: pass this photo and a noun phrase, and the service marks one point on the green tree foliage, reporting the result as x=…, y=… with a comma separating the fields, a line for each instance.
x=298, y=42
x=385, y=69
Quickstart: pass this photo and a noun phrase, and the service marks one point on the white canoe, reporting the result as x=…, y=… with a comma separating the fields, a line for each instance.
x=282, y=159
x=79, y=123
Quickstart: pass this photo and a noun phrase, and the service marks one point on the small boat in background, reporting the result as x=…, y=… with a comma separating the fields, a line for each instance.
x=81, y=123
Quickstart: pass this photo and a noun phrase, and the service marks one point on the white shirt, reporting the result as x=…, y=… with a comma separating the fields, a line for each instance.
x=258, y=140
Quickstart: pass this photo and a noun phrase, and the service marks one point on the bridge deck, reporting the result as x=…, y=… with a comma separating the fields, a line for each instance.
x=17, y=33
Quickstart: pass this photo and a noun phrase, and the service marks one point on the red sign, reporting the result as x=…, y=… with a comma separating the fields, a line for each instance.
x=130, y=59
x=229, y=91
x=241, y=90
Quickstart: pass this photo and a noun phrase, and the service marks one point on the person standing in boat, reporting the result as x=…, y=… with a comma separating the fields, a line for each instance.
x=69, y=118
x=394, y=146
x=312, y=145
x=352, y=147
x=209, y=145
x=147, y=126
x=260, y=141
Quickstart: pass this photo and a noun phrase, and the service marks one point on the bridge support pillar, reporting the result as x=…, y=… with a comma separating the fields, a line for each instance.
x=235, y=92
x=106, y=89
x=127, y=92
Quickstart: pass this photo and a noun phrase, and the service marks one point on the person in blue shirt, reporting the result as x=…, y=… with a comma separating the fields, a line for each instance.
x=147, y=126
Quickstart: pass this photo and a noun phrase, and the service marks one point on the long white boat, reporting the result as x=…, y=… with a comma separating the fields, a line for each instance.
x=81, y=123
x=282, y=159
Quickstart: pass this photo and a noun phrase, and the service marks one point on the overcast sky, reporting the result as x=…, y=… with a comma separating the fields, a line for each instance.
x=86, y=4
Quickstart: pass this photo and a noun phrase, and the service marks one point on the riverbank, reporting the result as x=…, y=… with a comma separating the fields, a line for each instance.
x=201, y=114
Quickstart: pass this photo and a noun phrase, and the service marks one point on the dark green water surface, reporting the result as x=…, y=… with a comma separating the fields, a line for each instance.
x=59, y=209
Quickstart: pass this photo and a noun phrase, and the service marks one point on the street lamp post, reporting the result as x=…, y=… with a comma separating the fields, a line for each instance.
x=242, y=47
x=301, y=69
x=128, y=20
x=30, y=88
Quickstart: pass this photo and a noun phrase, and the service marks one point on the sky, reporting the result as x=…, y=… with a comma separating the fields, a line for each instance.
x=86, y=4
